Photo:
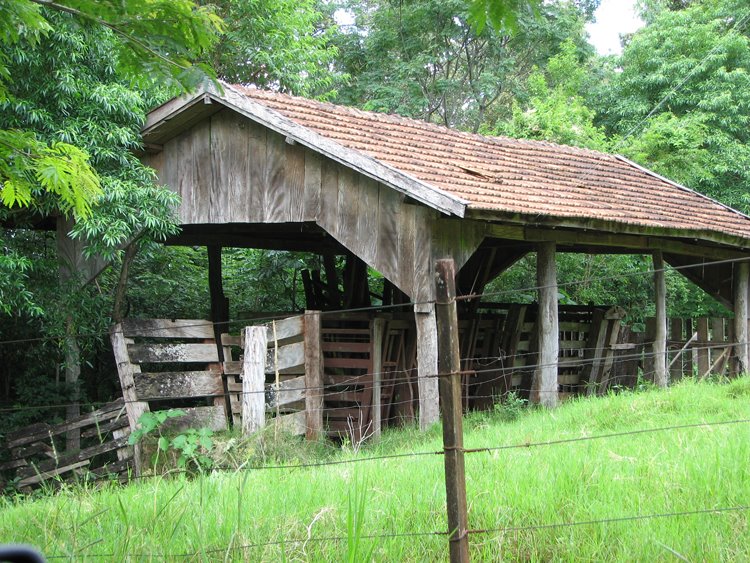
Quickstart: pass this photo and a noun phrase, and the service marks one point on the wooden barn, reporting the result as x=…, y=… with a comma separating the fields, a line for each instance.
x=265, y=170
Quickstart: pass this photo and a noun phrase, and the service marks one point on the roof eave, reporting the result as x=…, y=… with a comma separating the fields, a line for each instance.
x=736, y=242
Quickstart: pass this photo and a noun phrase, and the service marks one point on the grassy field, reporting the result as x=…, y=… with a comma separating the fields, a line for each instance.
x=283, y=513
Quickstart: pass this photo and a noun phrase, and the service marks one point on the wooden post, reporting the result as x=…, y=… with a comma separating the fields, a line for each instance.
x=661, y=375
x=544, y=384
x=742, y=273
x=219, y=302
x=126, y=370
x=378, y=332
x=313, y=376
x=427, y=365
x=254, y=379
x=450, y=391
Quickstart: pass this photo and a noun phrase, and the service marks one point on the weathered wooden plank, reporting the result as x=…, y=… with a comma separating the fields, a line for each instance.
x=368, y=218
x=348, y=209
x=277, y=197
x=126, y=372
x=178, y=353
x=293, y=423
x=351, y=363
x=176, y=384
x=313, y=417
x=213, y=417
x=167, y=328
x=232, y=368
x=295, y=181
x=313, y=179
x=352, y=347
x=61, y=462
x=387, y=236
x=43, y=476
x=253, y=380
x=286, y=329
x=329, y=198
x=287, y=392
x=258, y=175
x=289, y=356
x=230, y=142
x=422, y=275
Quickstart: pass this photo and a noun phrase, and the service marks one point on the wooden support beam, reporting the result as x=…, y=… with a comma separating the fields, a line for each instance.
x=378, y=333
x=742, y=274
x=661, y=374
x=544, y=384
x=219, y=302
x=450, y=392
x=313, y=376
x=427, y=365
x=254, y=380
x=604, y=239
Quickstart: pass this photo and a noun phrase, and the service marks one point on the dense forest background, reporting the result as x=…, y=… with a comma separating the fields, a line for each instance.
x=677, y=101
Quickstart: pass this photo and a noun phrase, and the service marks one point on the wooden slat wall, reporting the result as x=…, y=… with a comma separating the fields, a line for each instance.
x=229, y=169
x=36, y=453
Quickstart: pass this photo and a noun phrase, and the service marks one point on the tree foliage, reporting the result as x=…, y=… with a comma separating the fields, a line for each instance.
x=158, y=48
x=284, y=45
x=681, y=101
x=555, y=109
x=424, y=59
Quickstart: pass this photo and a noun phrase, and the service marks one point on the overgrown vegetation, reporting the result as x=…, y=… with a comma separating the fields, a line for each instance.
x=216, y=515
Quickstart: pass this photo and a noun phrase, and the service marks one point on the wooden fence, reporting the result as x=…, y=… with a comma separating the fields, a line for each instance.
x=36, y=454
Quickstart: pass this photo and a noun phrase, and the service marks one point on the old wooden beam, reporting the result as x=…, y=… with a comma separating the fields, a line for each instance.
x=427, y=365
x=254, y=380
x=742, y=273
x=313, y=376
x=661, y=374
x=378, y=333
x=126, y=370
x=544, y=385
x=450, y=392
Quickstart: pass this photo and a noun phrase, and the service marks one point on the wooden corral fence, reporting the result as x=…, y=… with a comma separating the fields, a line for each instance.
x=499, y=350
x=165, y=363
x=696, y=347
x=333, y=375
x=36, y=454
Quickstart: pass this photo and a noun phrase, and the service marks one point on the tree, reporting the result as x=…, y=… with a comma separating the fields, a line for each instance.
x=155, y=49
x=283, y=45
x=681, y=102
x=556, y=110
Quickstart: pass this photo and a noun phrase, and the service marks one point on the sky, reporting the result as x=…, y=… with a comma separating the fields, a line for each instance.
x=613, y=17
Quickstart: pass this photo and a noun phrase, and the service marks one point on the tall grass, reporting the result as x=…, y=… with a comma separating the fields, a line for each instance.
x=276, y=514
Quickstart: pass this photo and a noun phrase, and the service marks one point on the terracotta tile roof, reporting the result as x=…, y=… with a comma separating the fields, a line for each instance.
x=505, y=175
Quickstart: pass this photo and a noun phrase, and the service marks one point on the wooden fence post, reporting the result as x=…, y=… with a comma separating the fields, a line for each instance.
x=661, y=375
x=254, y=379
x=544, y=384
x=449, y=365
x=740, y=316
x=313, y=376
x=378, y=333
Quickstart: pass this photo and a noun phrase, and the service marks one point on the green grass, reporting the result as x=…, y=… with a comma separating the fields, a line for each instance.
x=212, y=516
